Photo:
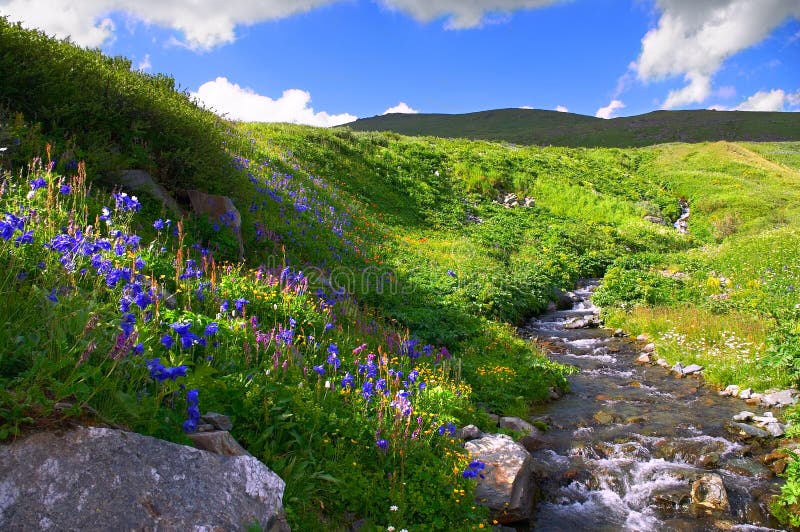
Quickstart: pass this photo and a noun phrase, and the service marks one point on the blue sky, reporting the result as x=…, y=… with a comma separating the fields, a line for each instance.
x=325, y=62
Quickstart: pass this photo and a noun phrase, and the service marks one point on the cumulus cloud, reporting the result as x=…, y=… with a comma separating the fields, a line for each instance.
x=205, y=24
x=526, y=107
x=764, y=101
x=244, y=104
x=401, y=107
x=693, y=39
x=562, y=109
x=609, y=110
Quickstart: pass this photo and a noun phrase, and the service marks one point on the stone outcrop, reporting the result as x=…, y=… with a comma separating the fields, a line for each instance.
x=507, y=483
x=104, y=479
x=219, y=209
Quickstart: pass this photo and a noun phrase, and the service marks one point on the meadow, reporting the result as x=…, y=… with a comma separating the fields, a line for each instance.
x=375, y=310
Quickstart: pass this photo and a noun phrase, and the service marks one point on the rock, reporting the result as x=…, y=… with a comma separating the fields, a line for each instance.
x=655, y=220
x=104, y=479
x=641, y=338
x=494, y=418
x=554, y=393
x=219, y=442
x=589, y=322
x=692, y=369
x=603, y=418
x=671, y=500
x=662, y=362
x=619, y=333
x=754, y=399
x=532, y=443
x=677, y=368
x=709, y=491
x=766, y=418
x=528, y=202
x=507, y=486
x=747, y=468
x=744, y=415
x=519, y=425
x=205, y=427
x=562, y=299
x=471, y=432
x=775, y=429
x=644, y=358
x=781, y=398
x=219, y=209
x=220, y=422
x=746, y=393
x=708, y=461
x=649, y=348
x=142, y=181
x=730, y=390
x=746, y=431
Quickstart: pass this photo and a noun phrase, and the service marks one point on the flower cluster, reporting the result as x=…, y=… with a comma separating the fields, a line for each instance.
x=192, y=411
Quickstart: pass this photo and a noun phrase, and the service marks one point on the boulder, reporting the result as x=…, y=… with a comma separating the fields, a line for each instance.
x=562, y=299
x=506, y=486
x=730, y=390
x=746, y=431
x=641, y=338
x=649, y=348
x=691, y=369
x=91, y=478
x=141, y=181
x=471, y=432
x=746, y=393
x=781, y=398
x=709, y=491
x=220, y=421
x=519, y=425
x=219, y=442
x=744, y=415
x=219, y=209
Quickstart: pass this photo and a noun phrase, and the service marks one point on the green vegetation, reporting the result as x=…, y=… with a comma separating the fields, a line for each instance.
x=543, y=128
x=376, y=308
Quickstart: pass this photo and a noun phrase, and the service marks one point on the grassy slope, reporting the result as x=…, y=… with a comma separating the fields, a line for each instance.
x=533, y=126
x=351, y=209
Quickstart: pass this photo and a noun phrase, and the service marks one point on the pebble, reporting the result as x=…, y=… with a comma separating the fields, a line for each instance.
x=644, y=358
x=744, y=415
x=692, y=369
x=642, y=338
x=649, y=348
x=746, y=393
x=730, y=390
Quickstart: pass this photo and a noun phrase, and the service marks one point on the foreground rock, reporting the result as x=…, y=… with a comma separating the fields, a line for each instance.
x=507, y=483
x=709, y=491
x=104, y=479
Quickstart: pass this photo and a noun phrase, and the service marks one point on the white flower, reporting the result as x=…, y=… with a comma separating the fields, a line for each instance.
x=393, y=508
x=390, y=528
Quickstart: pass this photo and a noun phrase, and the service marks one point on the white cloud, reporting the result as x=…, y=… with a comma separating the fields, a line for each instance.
x=764, y=101
x=693, y=39
x=718, y=108
x=205, y=24
x=725, y=92
x=610, y=109
x=401, y=107
x=145, y=63
x=244, y=104
x=793, y=99
x=562, y=109
x=525, y=107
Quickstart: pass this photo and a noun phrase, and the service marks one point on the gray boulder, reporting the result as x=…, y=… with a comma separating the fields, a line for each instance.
x=519, y=425
x=91, y=478
x=219, y=209
x=471, y=432
x=507, y=483
x=220, y=421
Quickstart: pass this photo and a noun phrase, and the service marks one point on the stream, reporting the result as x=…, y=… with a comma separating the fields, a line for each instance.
x=628, y=441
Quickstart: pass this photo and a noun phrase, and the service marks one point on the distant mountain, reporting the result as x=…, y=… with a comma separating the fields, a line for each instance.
x=535, y=126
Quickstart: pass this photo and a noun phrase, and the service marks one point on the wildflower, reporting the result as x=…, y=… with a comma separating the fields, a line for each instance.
x=240, y=303
x=348, y=380
x=138, y=348
x=383, y=445
x=158, y=225
x=38, y=183
x=167, y=341
x=333, y=349
x=451, y=273
x=126, y=203
x=25, y=238
x=320, y=370
x=393, y=508
x=52, y=296
x=390, y=528
x=368, y=390
x=328, y=327
x=224, y=307
x=192, y=411
x=211, y=329
x=64, y=190
x=181, y=329
x=358, y=349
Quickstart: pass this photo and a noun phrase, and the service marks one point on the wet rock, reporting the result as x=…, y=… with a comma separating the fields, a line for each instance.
x=103, y=479
x=708, y=461
x=709, y=491
x=744, y=415
x=777, y=454
x=636, y=419
x=669, y=501
x=554, y=393
x=746, y=468
x=730, y=390
x=220, y=421
x=562, y=299
x=746, y=431
x=754, y=399
x=603, y=418
x=470, y=432
x=219, y=442
x=507, y=486
x=205, y=427
x=779, y=466
x=589, y=322
x=775, y=429
x=766, y=418
x=644, y=358
x=532, y=443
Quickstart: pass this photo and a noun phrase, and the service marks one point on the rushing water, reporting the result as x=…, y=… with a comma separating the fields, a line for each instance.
x=628, y=441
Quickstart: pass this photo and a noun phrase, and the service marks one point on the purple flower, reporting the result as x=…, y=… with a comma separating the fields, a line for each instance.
x=320, y=370
x=37, y=183
x=181, y=329
x=382, y=444
x=158, y=224
x=211, y=329
x=167, y=341
x=348, y=380
x=65, y=190
x=451, y=273
x=192, y=411
x=240, y=303
x=24, y=238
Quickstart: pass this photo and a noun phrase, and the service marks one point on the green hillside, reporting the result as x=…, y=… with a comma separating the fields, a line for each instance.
x=376, y=307
x=543, y=128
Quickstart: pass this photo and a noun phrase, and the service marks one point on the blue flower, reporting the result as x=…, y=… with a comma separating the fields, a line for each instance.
x=158, y=224
x=65, y=190
x=451, y=273
x=181, y=329
x=25, y=238
x=382, y=444
x=192, y=411
x=333, y=349
x=52, y=296
x=367, y=390
x=167, y=341
x=138, y=348
x=348, y=380
x=320, y=370
x=240, y=303
x=211, y=329
x=37, y=183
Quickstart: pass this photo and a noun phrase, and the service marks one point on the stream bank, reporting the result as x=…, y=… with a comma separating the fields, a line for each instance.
x=632, y=447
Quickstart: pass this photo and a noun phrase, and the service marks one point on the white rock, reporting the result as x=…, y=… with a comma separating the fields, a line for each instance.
x=661, y=362
x=692, y=369
x=746, y=393
x=644, y=358
x=642, y=338
x=730, y=390
x=649, y=348
x=744, y=415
